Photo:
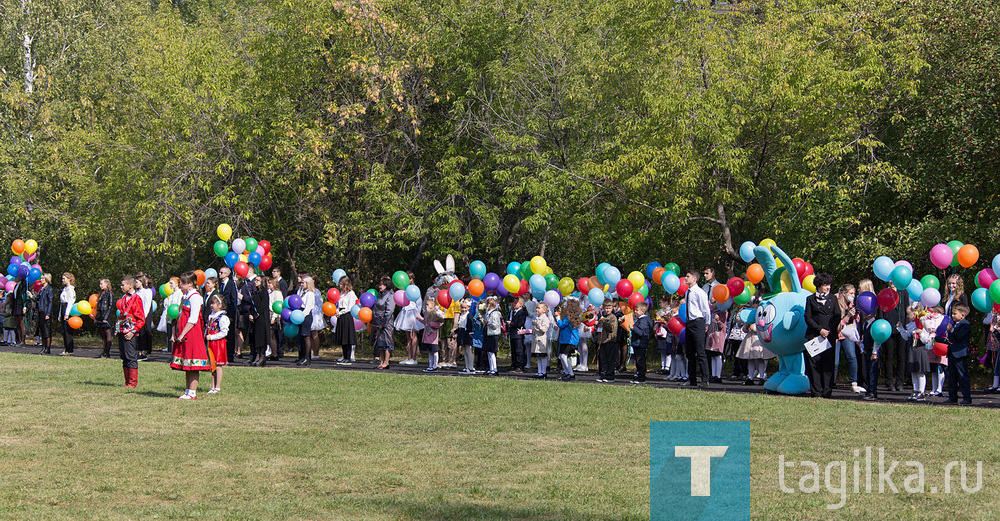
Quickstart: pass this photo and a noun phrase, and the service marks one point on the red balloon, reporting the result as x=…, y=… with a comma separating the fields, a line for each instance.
x=635, y=299
x=674, y=325
x=735, y=286
x=333, y=295
x=242, y=268
x=525, y=287
x=800, y=268
x=265, y=263
x=940, y=349
x=683, y=288
x=583, y=285
x=624, y=288
x=809, y=270
x=37, y=286
x=444, y=299
x=887, y=299
x=266, y=245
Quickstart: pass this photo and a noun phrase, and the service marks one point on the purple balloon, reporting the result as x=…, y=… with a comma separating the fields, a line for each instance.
x=31, y=256
x=942, y=330
x=502, y=291
x=867, y=302
x=400, y=298
x=22, y=270
x=682, y=337
x=286, y=314
x=359, y=325
x=491, y=281
x=367, y=300
x=15, y=260
x=295, y=302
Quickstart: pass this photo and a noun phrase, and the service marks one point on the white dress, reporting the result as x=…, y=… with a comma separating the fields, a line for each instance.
x=406, y=319
x=319, y=320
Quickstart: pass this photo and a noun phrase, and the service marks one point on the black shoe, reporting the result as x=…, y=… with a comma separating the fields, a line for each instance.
x=240, y=356
x=274, y=358
x=540, y=376
x=262, y=362
x=869, y=398
x=567, y=377
x=302, y=362
x=966, y=402
x=748, y=381
x=715, y=380
x=691, y=384
x=950, y=401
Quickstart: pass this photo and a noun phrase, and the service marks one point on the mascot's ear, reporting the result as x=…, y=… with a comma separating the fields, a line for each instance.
x=449, y=263
x=791, y=318
x=438, y=267
x=748, y=316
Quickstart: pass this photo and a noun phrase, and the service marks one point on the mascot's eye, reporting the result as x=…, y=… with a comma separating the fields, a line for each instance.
x=767, y=314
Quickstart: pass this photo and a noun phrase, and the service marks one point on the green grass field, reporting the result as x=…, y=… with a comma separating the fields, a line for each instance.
x=311, y=444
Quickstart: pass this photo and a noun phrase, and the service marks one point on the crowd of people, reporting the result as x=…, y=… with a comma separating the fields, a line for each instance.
x=217, y=321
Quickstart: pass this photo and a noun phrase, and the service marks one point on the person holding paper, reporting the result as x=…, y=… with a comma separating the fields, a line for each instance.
x=822, y=318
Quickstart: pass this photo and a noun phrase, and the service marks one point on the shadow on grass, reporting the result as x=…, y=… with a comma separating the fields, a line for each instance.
x=156, y=394
x=449, y=511
x=103, y=384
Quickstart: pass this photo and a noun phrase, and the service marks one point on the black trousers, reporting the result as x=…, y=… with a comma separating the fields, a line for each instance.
x=607, y=356
x=518, y=356
x=67, y=332
x=893, y=355
x=695, y=350
x=129, y=351
x=640, y=363
x=871, y=367
x=958, y=378
x=859, y=353
x=146, y=338
x=820, y=371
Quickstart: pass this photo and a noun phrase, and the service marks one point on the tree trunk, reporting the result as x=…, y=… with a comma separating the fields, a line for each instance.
x=727, y=238
x=29, y=60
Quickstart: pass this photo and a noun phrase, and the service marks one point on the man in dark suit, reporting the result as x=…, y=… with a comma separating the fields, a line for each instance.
x=515, y=323
x=279, y=338
x=894, y=350
x=211, y=289
x=958, y=355
x=822, y=318
x=228, y=290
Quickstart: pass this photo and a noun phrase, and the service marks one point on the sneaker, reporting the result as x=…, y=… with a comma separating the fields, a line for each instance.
x=430, y=369
x=857, y=388
x=142, y=359
x=492, y=373
x=466, y=371
x=920, y=397
x=408, y=361
x=341, y=360
x=313, y=357
x=186, y=396
x=601, y=381
x=213, y=391
x=345, y=362
x=868, y=397
x=911, y=397
x=637, y=382
x=352, y=359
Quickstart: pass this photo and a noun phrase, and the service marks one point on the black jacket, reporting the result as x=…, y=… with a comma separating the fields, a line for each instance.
x=822, y=316
x=105, y=308
x=517, y=320
x=45, y=302
x=229, y=294
x=206, y=309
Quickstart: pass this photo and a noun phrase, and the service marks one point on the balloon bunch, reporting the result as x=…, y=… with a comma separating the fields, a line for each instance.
x=987, y=295
x=243, y=255
x=20, y=266
x=755, y=273
x=926, y=290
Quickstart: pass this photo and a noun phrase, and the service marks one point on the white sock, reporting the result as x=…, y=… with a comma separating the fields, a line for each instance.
x=469, y=359
x=913, y=380
x=432, y=361
x=921, y=383
x=568, y=369
x=191, y=392
x=996, y=381
x=352, y=352
x=492, y=357
x=543, y=364
x=584, y=353
x=717, y=366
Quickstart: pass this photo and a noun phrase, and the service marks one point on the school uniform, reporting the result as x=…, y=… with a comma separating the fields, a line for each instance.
x=146, y=334
x=822, y=312
x=607, y=341
x=67, y=298
x=345, y=335
x=515, y=323
x=131, y=320
x=958, y=362
x=463, y=329
x=260, y=327
x=208, y=311
x=869, y=348
x=217, y=329
x=641, y=332
x=895, y=348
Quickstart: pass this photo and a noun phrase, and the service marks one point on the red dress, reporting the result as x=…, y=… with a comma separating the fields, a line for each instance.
x=218, y=346
x=191, y=354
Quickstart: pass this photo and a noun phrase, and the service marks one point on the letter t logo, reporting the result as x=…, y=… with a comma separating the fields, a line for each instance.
x=701, y=465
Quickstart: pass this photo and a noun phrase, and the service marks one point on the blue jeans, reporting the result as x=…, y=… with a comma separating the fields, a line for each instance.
x=848, y=346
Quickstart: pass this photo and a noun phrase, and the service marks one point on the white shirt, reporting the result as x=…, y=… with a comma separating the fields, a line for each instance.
x=67, y=296
x=273, y=296
x=308, y=301
x=223, y=325
x=195, y=300
x=146, y=295
x=346, y=302
x=697, y=304
x=462, y=320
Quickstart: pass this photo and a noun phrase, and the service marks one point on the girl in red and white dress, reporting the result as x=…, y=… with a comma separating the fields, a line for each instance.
x=218, y=330
x=190, y=352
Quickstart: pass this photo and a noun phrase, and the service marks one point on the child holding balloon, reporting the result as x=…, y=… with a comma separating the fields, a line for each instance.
x=569, y=322
x=432, y=319
x=67, y=299
x=217, y=330
x=491, y=336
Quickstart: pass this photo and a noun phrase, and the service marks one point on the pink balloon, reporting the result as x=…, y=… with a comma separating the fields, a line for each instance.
x=37, y=266
x=986, y=277
x=400, y=298
x=30, y=256
x=941, y=256
x=359, y=325
x=10, y=286
x=260, y=250
x=907, y=264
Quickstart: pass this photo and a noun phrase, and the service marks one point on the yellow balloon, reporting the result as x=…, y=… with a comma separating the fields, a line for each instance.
x=637, y=280
x=538, y=265
x=30, y=246
x=511, y=283
x=548, y=270
x=767, y=243
x=751, y=288
x=809, y=283
x=225, y=232
x=168, y=289
x=83, y=307
x=244, y=257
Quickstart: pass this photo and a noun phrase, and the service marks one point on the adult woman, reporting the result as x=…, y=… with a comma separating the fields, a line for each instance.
x=66, y=300
x=307, y=292
x=407, y=323
x=345, y=336
x=848, y=335
x=382, y=321
x=43, y=324
x=954, y=293
x=258, y=323
x=105, y=310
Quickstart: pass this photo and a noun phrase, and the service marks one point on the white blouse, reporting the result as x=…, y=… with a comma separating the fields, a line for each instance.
x=223, y=325
x=68, y=297
x=308, y=301
x=346, y=302
x=195, y=301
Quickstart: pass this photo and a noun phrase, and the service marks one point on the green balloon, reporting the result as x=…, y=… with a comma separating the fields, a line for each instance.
x=955, y=246
x=551, y=281
x=400, y=279
x=672, y=266
x=173, y=311
x=221, y=248
x=526, y=270
x=251, y=245
x=644, y=290
x=930, y=281
x=373, y=292
x=995, y=290
x=742, y=298
x=277, y=307
x=163, y=290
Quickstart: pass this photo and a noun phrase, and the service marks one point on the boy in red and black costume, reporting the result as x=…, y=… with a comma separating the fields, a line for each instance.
x=131, y=319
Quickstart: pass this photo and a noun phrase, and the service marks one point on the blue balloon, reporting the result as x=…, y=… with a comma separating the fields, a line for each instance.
x=724, y=305
x=338, y=274
x=915, y=289
x=596, y=296
x=33, y=275
x=881, y=331
x=253, y=259
x=297, y=317
x=477, y=269
x=355, y=310
x=367, y=300
x=612, y=276
x=682, y=337
x=12, y=270
x=652, y=266
x=152, y=307
x=457, y=291
x=599, y=272
x=682, y=313
x=883, y=267
x=538, y=294
x=413, y=293
x=746, y=251
x=537, y=283
x=670, y=282
x=996, y=264
x=231, y=259
x=514, y=268
x=901, y=277
x=210, y=273
x=286, y=315
x=291, y=330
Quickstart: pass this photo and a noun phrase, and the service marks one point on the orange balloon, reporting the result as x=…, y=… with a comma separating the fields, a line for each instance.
x=658, y=274
x=93, y=315
x=75, y=322
x=93, y=301
x=329, y=309
x=17, y=246
x=755, y=273
x=592, y=283
x=201, y=277
x=720, y=293
x=365, y=315
x=476, y=287
x=968, y=255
